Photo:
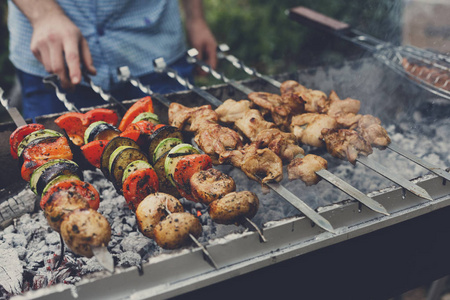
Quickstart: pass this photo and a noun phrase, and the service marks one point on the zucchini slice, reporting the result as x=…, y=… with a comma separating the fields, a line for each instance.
x=174, y=156
x=60, y=178
x=109, y=149
x=120, y=159
x=43, y=133
x=134, y=166
x=165, y=186
x=164, y=146
x=100, y=130
x=147, y=116
x=42, y=176
x=160, y=134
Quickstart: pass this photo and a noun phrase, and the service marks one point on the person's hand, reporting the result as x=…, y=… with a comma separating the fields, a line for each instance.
x=59, y=45
x=201, y=38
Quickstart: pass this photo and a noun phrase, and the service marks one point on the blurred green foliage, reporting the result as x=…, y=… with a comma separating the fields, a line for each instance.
x=260, y=33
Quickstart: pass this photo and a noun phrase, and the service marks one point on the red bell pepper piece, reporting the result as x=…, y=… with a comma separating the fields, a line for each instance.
x=138, y=185
x=82, y=188
x=102, y=114
x=142, y=105
x=19, y=134
x=93, y=151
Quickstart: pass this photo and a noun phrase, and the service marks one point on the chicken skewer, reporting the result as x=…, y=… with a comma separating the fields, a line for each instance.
x=403, y=182
x=222, y=49
x=161, y=66
x=339, y=183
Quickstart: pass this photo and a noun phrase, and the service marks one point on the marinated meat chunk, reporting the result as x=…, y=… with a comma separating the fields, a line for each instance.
x=282, y=143
x=305, y=168
x=315, y=101
x=340, y=107
x=191, y=119
x=215, y=139
x=291, y=86
x=371, y=130
x=231, y=110
x=308, y=128
x=273, y=103
x=253, y=161
x=345, y=144
x=252, y=123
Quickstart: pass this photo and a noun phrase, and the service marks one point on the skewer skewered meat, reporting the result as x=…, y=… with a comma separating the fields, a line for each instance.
x=345, y=144
x=253, y=123
x=255, y=161
x=308, y=127
x=281, y=143
x=281, y=107
x=215, y=139
x=305, y=168
x=231, y=110
x=371, y=130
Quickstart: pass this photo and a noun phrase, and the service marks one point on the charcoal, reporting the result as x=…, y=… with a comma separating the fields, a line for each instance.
x=11, y=271
x=137, y=243
x=128, y=259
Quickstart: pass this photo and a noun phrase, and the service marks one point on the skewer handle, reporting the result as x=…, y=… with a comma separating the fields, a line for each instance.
x=317, y=20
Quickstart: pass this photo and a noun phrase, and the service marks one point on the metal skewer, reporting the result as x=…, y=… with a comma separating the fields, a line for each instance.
x=160, y=66
x=125, y=75
x=12, y=111
x=206, y=254
x=104, y=95
x=52, y=81
x=367, y=162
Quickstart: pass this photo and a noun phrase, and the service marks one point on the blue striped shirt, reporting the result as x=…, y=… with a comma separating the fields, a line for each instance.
x=119, y=32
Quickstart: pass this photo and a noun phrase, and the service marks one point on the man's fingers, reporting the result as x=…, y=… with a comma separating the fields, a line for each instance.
x=86, y=57
x=58, y=66
x=72, y=56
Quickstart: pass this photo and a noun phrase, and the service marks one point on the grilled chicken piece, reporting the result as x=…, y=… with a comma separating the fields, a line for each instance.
x=274, y=104
x=191, y=119
x=281, y=107
x=306, y=167
x=340, y=107
x=315, y=101
x=252, y=123
x=282, y=143
x=234, y=207
x=254, y=161
x=231, y=110
x=153, y=209
x=371, y=130
x=215, y=139
x=308, y=128
x=210, y=185
x=291, y=86
x=173, y=232
x=345, y=144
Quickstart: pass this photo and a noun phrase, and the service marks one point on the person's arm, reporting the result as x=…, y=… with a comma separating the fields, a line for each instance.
x=199, y=34
x=56, y=41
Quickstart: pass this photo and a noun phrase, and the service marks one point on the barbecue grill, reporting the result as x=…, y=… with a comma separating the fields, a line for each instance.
x=370, y=255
